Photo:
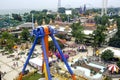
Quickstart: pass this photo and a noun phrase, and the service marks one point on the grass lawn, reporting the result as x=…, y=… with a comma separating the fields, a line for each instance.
x=35, y=76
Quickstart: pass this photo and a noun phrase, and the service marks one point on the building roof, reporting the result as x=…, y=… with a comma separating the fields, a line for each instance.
x=61, y=28
x=88, y=23
x=90, y=27
x=25, y=25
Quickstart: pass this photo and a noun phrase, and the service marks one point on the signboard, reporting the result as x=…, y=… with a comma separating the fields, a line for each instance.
x=68, y=12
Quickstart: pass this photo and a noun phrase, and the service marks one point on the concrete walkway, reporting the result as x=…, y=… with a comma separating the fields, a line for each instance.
x=7, y=66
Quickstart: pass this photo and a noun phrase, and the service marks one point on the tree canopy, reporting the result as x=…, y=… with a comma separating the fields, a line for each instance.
x=118, y=63
x=61, y=10
x=99, y=36
x=77, y=32
x=52, y=46
x=7, y=41
x=107, y=55
x=17, y=17
x=25, y=34
x=101, y=20
x=115, y=41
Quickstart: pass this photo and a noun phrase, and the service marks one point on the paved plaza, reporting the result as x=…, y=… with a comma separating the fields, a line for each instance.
x=11, y=68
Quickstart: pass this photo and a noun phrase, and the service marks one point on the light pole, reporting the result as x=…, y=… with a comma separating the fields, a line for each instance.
x=33, y=21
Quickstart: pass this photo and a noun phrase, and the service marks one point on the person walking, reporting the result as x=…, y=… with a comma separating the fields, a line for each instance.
x=14, y=65
x=17, y=64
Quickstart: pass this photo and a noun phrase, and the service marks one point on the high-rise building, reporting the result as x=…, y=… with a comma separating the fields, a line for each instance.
x=59, y=4
x=84, y=9
x=80, y=11
x=104, y=7
x=106, y=2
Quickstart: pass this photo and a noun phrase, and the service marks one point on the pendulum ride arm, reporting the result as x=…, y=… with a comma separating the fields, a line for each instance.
x=46, y=61
x=63, y=58
x=44, y=40
x=27, y=61
x=43, y=34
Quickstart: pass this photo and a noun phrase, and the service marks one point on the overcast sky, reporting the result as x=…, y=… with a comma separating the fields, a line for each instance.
x=52, y=4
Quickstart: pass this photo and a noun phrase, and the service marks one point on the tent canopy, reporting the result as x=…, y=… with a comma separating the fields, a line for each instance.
x=38, y=61
x=113, y=68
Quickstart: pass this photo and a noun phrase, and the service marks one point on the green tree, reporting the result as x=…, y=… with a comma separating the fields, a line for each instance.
x=104, y=20
x=17, y=17
x=118, y=25
x=99, y=36
x=115, y=41
x=2, y=42
x=94, y=42
x=50, y=16
x=97, y=19
x=32, y=38
x=25, y=34
x=107, y=55
x=77, y=32
x=39, y=16
x=118, y=63
x=35, y=12
x=10, y=44
x=75, y=12
x=44, y=10
x=28, y=18
x=61, y=10
x=7, y=41
x=6, y=35
x=52, y=46
x=75, y=26
x=61, y=36
x=80, y=35
x=64, y=17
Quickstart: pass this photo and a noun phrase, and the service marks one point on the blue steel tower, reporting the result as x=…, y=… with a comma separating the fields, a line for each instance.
x=84, y=9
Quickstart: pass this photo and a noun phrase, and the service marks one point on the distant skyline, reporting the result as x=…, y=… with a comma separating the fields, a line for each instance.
x=52, y=4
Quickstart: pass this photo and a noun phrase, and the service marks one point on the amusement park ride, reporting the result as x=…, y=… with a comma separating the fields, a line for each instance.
x=43, y=33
